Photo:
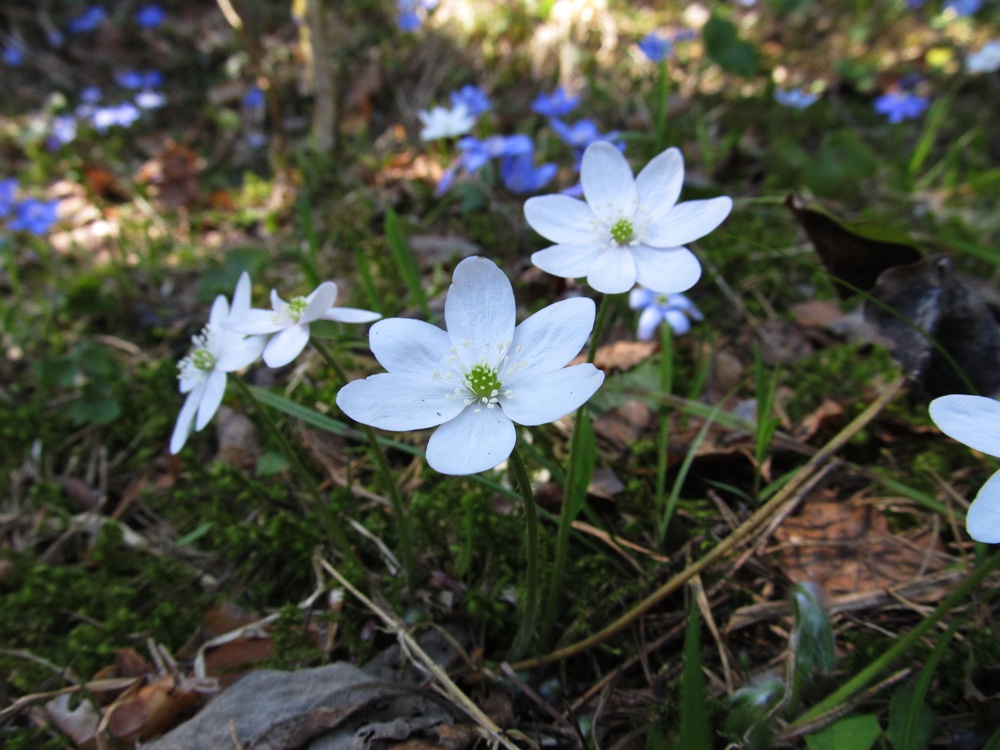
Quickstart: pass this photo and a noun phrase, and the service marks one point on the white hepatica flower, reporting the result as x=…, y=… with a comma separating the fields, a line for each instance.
x=289, y=321
x=216, y=351
x=975, y=421
x=442, y=122
x=628, y=229
x=481, y=376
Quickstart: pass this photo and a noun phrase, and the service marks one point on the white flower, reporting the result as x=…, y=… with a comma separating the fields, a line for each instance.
x=986, y=60
x=629, y=229
x=975, y=421
x=442, y=122
x=289, y=321
x=481, y=376
x=676, y=309
x=216, y=352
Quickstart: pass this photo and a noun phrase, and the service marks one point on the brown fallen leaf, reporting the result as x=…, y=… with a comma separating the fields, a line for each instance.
x=623, y=355
x=149, y=711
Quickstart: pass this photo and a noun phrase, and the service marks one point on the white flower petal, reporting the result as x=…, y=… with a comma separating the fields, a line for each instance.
x=613, y=272
x=479, y=309
x=257, y=321
x=403, y=345
x=350, y=315
x=659, y=184
x=240, y=352
x=983, y=518
x=679, y=322
x=471, y=442
x=666, y=270
x=279, y=305
x=608, y=184
x=640, y=298
x=211, y=397
x=286, y=345
x=241, y=296
x=686, y=222
x=220, y=311
x=973, y=420
x=185, y=421
x=319, y=302
x=398, y=402
x=568, y=261
x=562, y=219
x=649, y=321
x=551, y=337
x=547, y=396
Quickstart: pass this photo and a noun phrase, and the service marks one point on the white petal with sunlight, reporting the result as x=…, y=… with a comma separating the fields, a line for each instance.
x=547, y=396
x=983, y=518
x=666, y=270
x=392, y=401
x=973, y=420
x=607, y=183
x=471, y=442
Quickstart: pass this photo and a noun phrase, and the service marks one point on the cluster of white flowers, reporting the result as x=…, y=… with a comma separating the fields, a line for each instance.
x=474, y=381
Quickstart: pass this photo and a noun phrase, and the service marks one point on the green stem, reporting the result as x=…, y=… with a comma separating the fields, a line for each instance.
x=529, y=611
x=662, y=87
x=570, y=491
x=898, y=648
x=332, y=526
x=388, y=482
x=666, y=386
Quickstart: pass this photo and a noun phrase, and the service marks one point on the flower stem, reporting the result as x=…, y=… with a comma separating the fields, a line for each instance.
x=571, y=490
x=666, y=386
x=662, y=87
x=529, y=611
x=335, y=529
x=388, y=482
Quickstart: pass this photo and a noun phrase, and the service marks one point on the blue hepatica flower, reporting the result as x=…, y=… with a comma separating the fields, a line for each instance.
x=133, y=79
x=473, y=98
x=62, y=130
x=520, y=175
x=89, y=20
x=13, y=55
x=411, y=13
x=475, y=152
x=556, y=104
x=901, y=105
x=150, y=16
x=34, y=216
x=656, y=46
x=963, y=8
x=119, y=115
x=8, y=196
x=795, y=98
x=149, y=99
x=675, y=309
x=580, y=134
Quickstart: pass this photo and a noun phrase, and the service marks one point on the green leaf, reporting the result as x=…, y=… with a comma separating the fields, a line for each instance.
x=271, y=463
x=584, y=468
x=854, y=732
x=194, y=536
x=696, y=733
x=724, y=46
x=910, y=720
x=405, y=262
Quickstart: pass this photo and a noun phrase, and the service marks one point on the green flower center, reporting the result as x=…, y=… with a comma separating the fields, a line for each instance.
x=296, y=307
x=621, y=231
x=661, y=300
x=202, y=359
x=484, y=383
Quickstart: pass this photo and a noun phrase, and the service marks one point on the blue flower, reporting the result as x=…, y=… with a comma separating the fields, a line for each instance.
x=90, y=95
x=133, y=79
x=474, y=99
x=676, y=309
x=656, y=46
x=557, y=104
x=580, y=134
x=8, y=195
x=795, y=98
x=475, y=152
x=121, y=115
x=254, y=98
x=520, y=175
x=962, y=8
x=410, y=12
x=89, y=20
x=150, y=16
x=148, y=99
x=901, y=105
x=62, y=130
x=34, y=216
x=13, y=55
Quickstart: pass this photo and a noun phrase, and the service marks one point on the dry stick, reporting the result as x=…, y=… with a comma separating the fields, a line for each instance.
x=733, y=540
x=410, y=646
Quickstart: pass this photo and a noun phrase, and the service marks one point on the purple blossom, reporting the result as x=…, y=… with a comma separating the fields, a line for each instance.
x=13, y=55
x=411, y=11
x=34, y=216
x=901, y=105
x=150, y=16
x=89, y=20
x=520, y=175
x=133, y=79
x=8, y=196
x=475, y=152
x=676, y=309
x=580, y=134
x=795, y=98
x=656, y=46
x=254, y=98
x=474, y=99
x=90, y=95
x=557, y=104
